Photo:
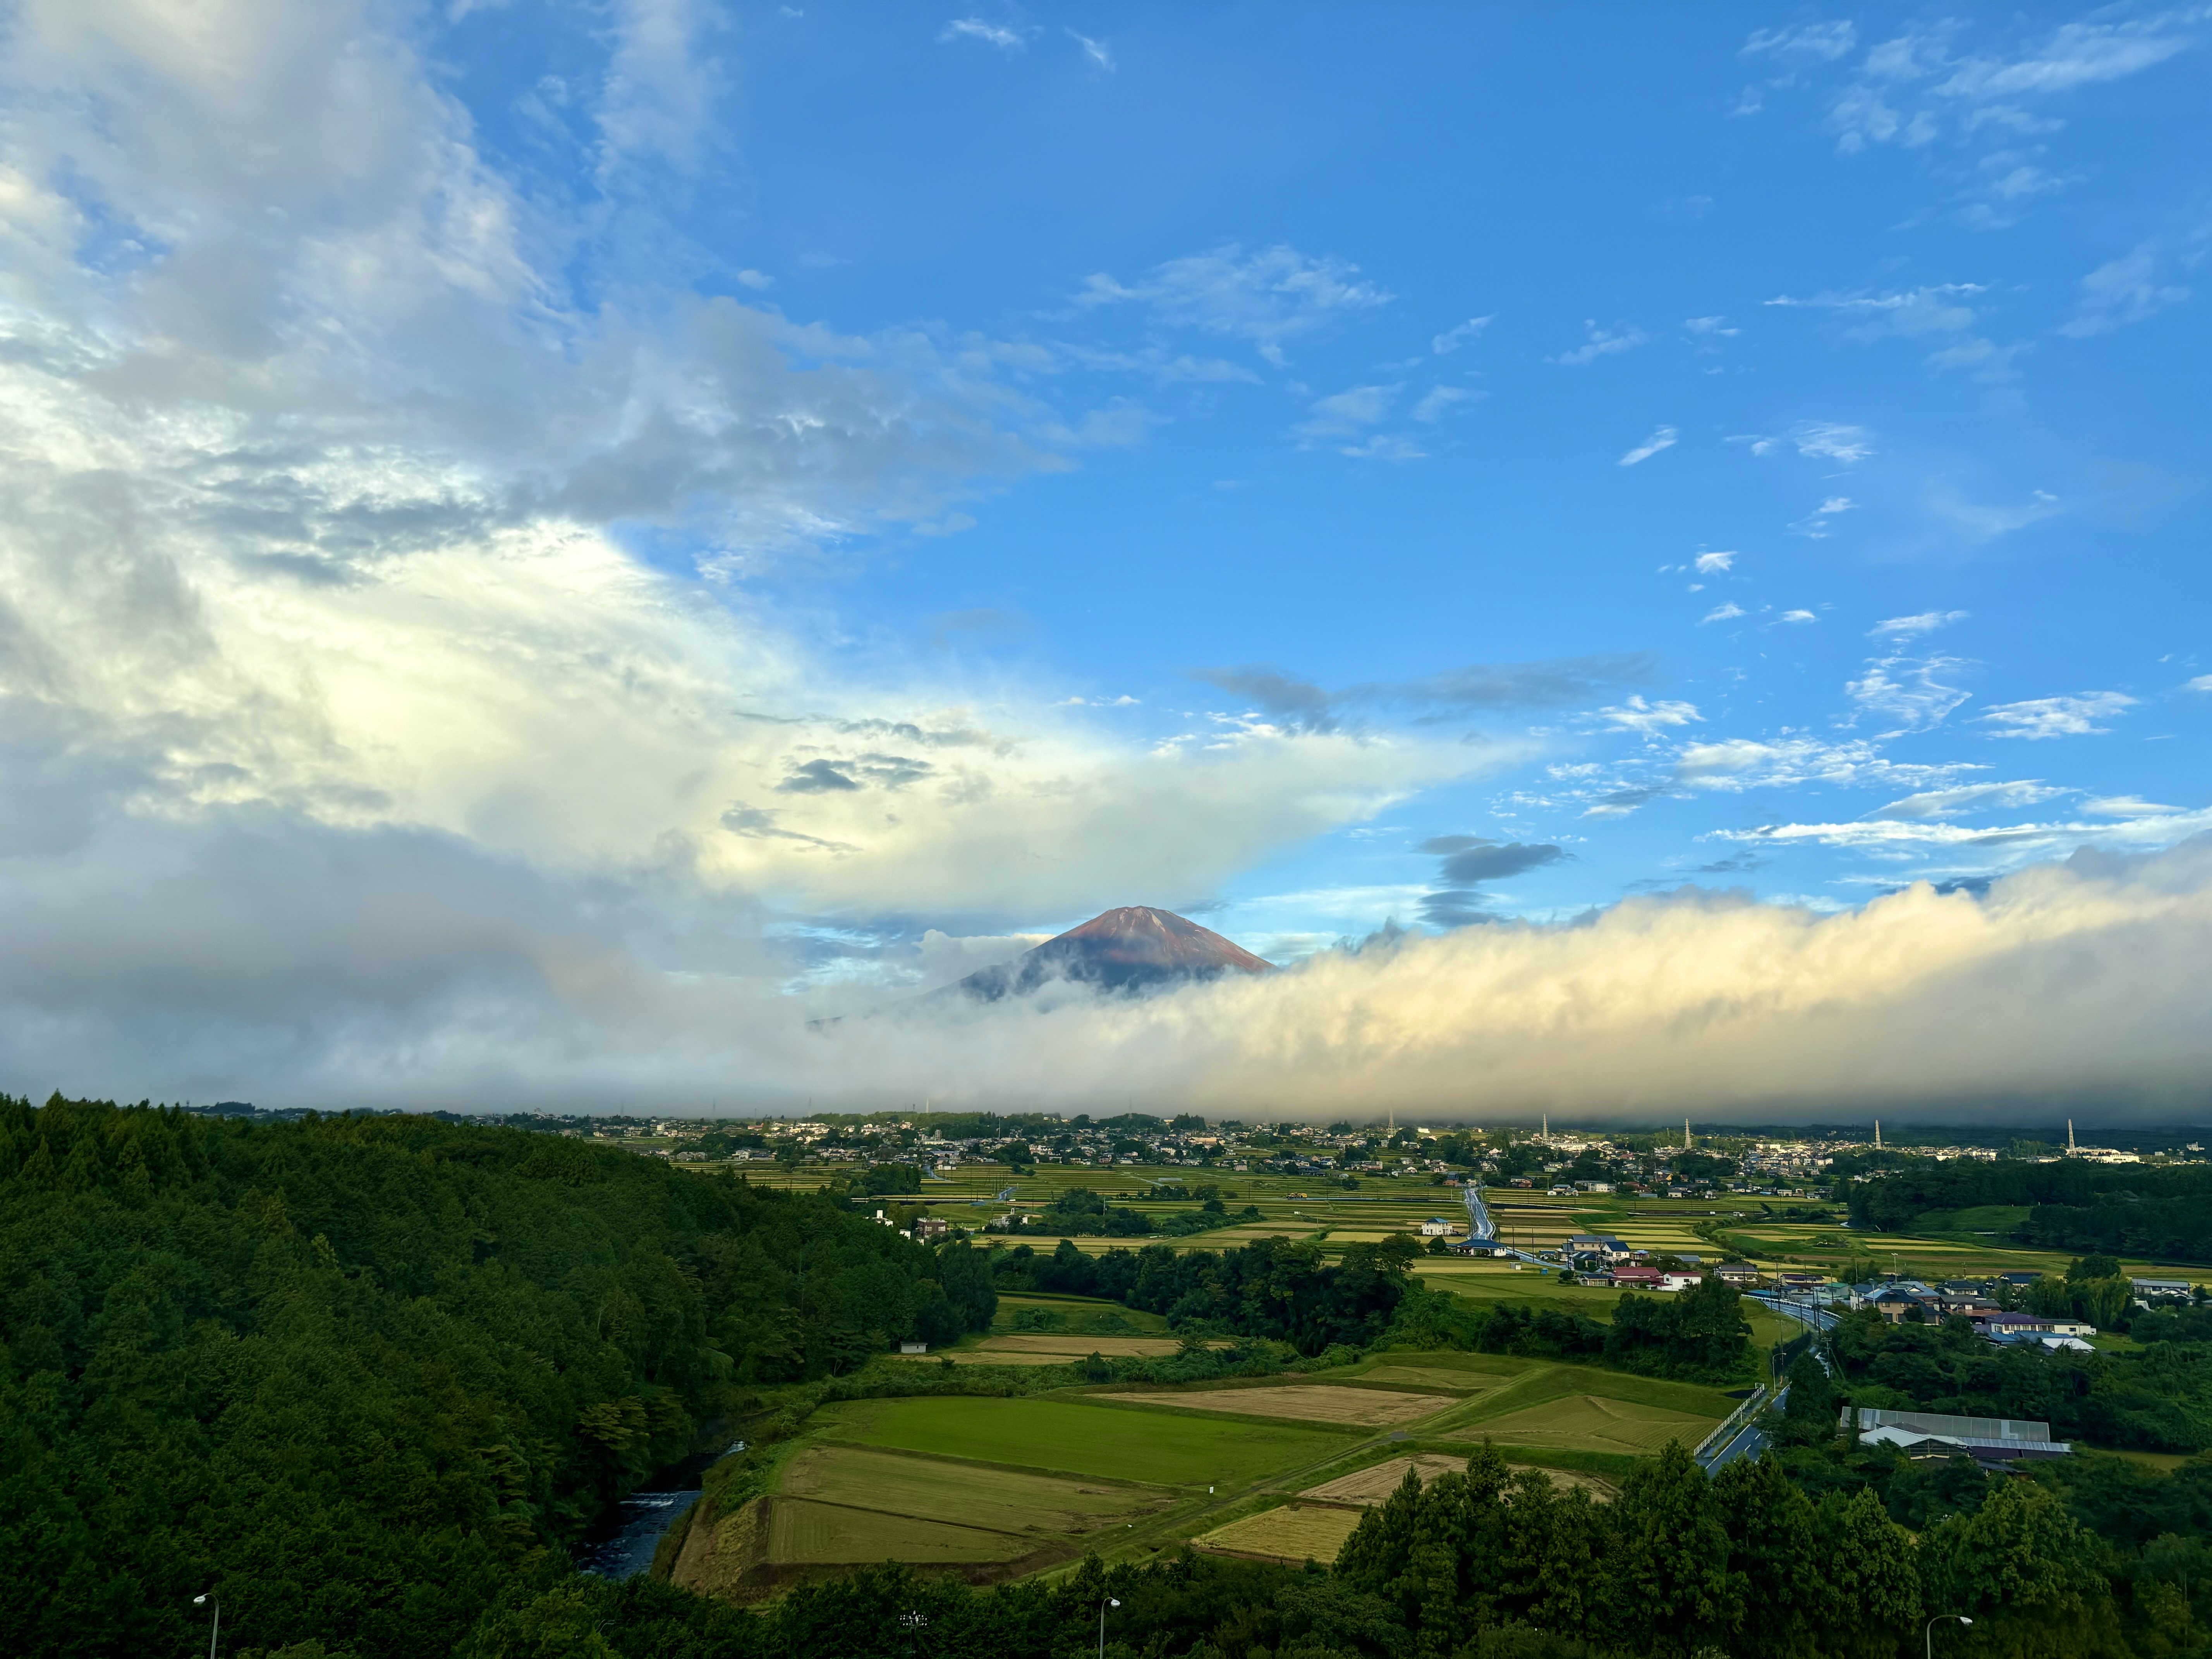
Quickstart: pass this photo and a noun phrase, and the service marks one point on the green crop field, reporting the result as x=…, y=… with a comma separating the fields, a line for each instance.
x=804, y=1534
x=1288, y=1534
x=1585, y=1422
x=964, y=1494
x=1160, y=1448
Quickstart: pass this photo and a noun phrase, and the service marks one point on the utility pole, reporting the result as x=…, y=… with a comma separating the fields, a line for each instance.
x=198, y=1600
x=1108, y=1602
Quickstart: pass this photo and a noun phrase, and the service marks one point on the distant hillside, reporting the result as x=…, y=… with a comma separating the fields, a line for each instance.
x=1131, y=949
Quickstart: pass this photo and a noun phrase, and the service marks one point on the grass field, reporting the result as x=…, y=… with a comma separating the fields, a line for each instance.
x=1288, y=1534
x=810, y=1534
x=1070, y=1437
x=964, y=1494
x=1309, y=1402
x=1586, y=1422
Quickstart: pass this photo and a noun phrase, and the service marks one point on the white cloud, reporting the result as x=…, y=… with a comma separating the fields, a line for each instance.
x=2058, y=717
x=1927, y=621
x=1097, y=52
x=2201, y=683
x=754, y=279
x=1728, y=611
x=1662, y=437
x=1639, y=715
x=1907, y=690
x=1707, y=563
x=1832, y=441
x=1267, y=296
x=1347, y=411
x=1964, y=799
x=1461, y=334
x=1438, y=401
x=1385, y=447
x=1809, y=43
x=1797, y=616
x=1982, y=523
x=1603, y=342
x=2150, y=277
x=2126, y=806
x=659, y=91
x=1710, y=328
x=1816, y=525
x=1008, y=40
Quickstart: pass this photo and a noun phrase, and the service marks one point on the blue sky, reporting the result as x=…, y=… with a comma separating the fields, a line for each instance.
x=1823, y=383
x=741, y=500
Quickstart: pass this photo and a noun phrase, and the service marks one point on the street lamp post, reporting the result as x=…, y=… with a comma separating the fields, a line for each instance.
x=1108, y=1602
x=203, y=1601
x=1929, y=1633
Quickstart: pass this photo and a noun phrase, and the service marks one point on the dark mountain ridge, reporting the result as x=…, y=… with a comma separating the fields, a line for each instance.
x=1135, y=948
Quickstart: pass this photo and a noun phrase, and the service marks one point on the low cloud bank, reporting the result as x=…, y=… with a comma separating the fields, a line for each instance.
x=261, y=957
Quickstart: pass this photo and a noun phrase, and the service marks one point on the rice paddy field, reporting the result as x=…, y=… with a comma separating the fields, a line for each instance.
x=1288, y=1534
x=1293, y=1532
x=1306, y=1402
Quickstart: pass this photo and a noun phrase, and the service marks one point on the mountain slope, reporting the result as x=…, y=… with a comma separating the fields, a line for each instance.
x=1131, y=948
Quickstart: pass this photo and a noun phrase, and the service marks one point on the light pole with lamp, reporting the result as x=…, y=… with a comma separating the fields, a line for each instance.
x=203, y=1601
x=1929, y=1633
x=1108, y=1602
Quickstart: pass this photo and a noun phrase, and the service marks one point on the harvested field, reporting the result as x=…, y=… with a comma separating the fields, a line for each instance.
x=1372, y=1485
x=802, y=1533
x=962, y=1494
x=1286, y=1535
x=1584, y=1422
x=1318, y=1403
x=1078, y=1439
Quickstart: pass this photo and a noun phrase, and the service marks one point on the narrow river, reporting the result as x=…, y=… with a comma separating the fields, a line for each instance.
x=620, y=1544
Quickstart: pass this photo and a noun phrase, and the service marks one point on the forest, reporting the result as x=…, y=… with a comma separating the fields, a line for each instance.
x=376, y=1367
x=2159, y=1212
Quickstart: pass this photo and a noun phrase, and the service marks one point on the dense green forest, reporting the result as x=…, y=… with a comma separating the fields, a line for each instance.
x=2161, y=1212
x=365, y=1370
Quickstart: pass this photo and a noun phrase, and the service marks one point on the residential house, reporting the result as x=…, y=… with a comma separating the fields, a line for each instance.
x=2148, y=1289
x=1736, y=1273
x=1632, y=1278
x=1603, y=1245
x=1438, y=1227
x=2013, y=1327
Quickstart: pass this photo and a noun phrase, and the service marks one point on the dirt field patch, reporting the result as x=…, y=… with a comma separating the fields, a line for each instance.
x=1320, y=1403
x=1286, y=1535
x=963, y=1494
x=1584, y=1422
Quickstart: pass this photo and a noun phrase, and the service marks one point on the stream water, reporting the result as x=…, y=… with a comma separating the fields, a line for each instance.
x=620, y=1544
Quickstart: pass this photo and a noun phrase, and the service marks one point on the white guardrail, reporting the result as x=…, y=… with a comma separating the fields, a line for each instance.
x=1736, y=1418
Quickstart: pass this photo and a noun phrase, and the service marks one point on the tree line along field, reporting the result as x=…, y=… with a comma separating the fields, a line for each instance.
x=995, y=1488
